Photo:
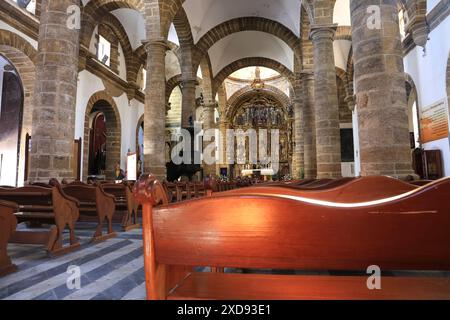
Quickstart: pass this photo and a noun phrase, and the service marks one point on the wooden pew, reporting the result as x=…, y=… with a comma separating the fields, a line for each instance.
x=407, y=232
x=96, y=204
x=39, y=205
x=125, y=203
x=171, y=190
x=183, y=191
x=8, y=224
x=420, y=183
x=200, y=190
x=357, y=190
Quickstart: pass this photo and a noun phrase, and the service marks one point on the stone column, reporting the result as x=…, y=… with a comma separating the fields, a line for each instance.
x=225, y=157
x=308, y=124
x=328, y=134
x=55, y=94
x=188, y=102
x=380, y=90
x=298, y=160
x=155, y=109
x=209, y=123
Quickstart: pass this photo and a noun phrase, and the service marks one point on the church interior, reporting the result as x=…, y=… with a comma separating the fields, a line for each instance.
x=224, y=149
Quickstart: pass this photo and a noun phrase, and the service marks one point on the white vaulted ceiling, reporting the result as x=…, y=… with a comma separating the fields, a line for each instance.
x=204, y=15
x=249, y=44
x=134, y=24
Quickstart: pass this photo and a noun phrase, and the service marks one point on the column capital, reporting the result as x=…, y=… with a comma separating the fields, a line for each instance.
x=323, y=31
x=151, y=43
x=211, y=105
x=189, y=83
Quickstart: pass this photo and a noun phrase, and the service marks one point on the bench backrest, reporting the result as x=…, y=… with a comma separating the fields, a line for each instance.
x=354, y=191
x=29, y=195
x=83, y=193
x=263, y=231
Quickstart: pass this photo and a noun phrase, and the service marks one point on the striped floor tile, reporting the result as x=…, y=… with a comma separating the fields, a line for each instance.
x=109, y=270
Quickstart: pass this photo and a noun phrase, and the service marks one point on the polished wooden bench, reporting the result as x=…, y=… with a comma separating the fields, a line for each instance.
x=251, y=231
x=38, y=206
x=357, y=190
x=95, y=204
x=124, y=203
x=8, y=224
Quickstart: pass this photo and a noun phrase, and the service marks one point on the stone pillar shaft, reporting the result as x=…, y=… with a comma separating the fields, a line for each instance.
x=380, y=90
x=188, y=103
x=308, y=124
x=209, y=123
x=298, y=160
x=155, y=109
x=328, y=140
x=55, y=94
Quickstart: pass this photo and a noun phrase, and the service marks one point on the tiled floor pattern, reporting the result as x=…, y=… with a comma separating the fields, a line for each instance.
x=113, y=270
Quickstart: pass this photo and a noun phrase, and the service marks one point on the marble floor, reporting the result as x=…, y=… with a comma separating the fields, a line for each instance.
x=110, y=270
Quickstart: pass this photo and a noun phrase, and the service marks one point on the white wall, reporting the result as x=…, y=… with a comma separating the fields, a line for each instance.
x=429, y=74
x=130, y=112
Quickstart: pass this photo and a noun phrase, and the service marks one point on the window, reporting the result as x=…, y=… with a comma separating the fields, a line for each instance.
x=104, y=51
x=28, y=5
x=144, y=79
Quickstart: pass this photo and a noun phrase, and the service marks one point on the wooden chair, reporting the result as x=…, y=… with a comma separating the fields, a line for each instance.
x=8, y=224
x=96, y=204
x=407, y=232
x=37, y=206
x=124, y=203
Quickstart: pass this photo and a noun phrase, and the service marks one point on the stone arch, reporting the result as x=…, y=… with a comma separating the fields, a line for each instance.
x=183, y=28
x=141, y=58
x=412, y=98
x=207, y=81
x=305, y=41
x=239, y=96
x=345, y=114
x=250, y=62
x=102, y=102
x=112, y=22
x=171, y=84
x=308, y=8
x=350, y=72
x=95, y=10
x=186, y=48
x=22, y=56
x=249, y=24
x=13, y=40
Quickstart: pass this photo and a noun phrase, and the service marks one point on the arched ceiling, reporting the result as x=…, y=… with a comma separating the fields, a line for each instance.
x=249, y=44
x=341, y=14
x=133, y=23
x=204, y=15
